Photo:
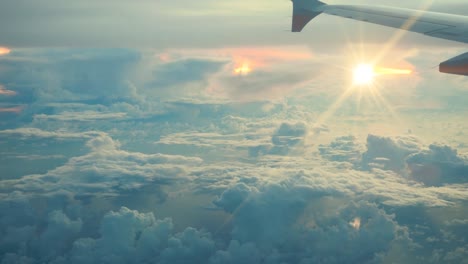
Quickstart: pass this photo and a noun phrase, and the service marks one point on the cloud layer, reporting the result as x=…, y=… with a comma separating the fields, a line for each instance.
x=121, y=156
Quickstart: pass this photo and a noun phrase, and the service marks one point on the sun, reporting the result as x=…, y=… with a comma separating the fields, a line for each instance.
x=363, y=74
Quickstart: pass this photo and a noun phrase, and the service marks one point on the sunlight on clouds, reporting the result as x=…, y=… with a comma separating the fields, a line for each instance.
x=260, y=56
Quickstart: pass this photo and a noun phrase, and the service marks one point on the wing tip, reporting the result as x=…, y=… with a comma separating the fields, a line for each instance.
x=303, y=13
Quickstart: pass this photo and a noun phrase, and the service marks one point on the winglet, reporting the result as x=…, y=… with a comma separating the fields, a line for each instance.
x=303, y=12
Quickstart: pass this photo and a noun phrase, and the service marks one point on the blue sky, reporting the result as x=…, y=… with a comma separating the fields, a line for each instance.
x=202, y=132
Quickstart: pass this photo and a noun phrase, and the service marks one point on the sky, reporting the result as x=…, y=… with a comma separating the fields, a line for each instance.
x=204, y=132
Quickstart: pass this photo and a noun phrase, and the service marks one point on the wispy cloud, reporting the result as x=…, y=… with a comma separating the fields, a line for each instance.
x=3, y=90
x=13, y=110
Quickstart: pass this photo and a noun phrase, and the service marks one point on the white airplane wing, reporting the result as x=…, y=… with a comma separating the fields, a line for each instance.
x=438, y=25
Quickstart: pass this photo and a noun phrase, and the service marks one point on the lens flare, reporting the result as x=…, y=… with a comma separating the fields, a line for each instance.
x=4, y=51
x=243, y=69
x=392, y=71
x=356, y=223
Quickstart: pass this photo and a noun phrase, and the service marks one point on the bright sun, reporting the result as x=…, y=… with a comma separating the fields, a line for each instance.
x=363, y=74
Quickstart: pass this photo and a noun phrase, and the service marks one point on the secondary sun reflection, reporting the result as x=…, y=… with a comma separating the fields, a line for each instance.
x=243, y=69
x=356, y=223
x=4, y=51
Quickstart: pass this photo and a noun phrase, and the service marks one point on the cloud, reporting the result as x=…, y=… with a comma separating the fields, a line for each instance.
x=69, y=75
x=286, y=210
x=342, y=149
x=438, y=165
x=32, y=132
x=105, y=170
x=287, y=219
x=84, y=174
x=11, y=110
x=54, y=240
x=284, y=140
x=389, y=153
x=183, y=71
x=4, y=91
x=87, y=116
x=128, y=236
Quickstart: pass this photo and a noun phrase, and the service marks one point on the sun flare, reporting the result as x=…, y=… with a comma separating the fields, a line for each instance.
x=243, y=69
x=4, y=51
x=363, y=74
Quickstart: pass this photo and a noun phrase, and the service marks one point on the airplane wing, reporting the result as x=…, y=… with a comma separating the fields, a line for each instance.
x=438, y=25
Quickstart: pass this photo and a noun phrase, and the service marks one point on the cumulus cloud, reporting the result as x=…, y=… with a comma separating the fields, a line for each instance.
x=287, y=219
x=283, y=211
x=106, y=169
x=69, y=75
x=342, y=149
x=283, y=141
x=389, y=153
x=92, y=167
x=125, y=236
x=438, y=165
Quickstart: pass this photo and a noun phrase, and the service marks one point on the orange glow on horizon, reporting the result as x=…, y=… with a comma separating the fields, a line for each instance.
x=4, y=51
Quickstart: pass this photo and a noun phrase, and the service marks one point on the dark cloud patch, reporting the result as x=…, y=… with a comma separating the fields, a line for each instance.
x=287, y=222
x=68, y=75
x=286, y=137
x=284, y=140
x=29, y=151
x=342, y=149
x=438, y=165
x=389, y=153
x=89, y=76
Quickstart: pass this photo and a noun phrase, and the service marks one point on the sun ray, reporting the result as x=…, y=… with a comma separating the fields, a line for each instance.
x=334, y=107
x=382, y=101
x=399, y=34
